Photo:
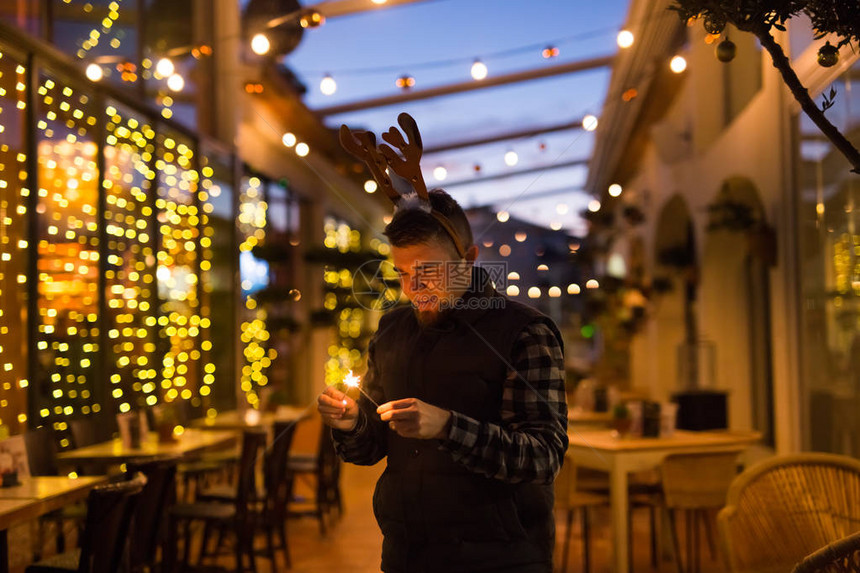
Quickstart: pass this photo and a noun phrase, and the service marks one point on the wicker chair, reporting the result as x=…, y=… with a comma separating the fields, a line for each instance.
x=787, y=507
x=841, y=556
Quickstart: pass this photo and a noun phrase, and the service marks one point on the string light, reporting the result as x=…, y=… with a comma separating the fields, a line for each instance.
x=370, y=186
x=549, y=52
x=288, y=139
x=534, y=292
x=678, y=64
x=165, y=68
x=573, y=288
x=513, y=276
x=594, y=205
x=555, y=225
x=589, y=122
x=302, y=149
x=554, y=292
x=479, y=70
x=260, y=44
x=405, y=82
x=176, y=83
x=503, y=216
x=615, y=190
x=94, y=72
x=440, y=173
x=592, y=284
x=311, y=19
x=327, y=85
x=511, y=158
x=512, y=290
x=625, y=39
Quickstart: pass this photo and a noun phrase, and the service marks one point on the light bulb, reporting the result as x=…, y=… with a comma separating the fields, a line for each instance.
x=594, y=205
x=302, y=149
x=534, y=292
x=615, y=190
x=288, y=139
x=328, y=86
x=94, y=72
x=589, y=122
x=678, y=64
x=479, y=70
x=625, y=39
x=165, y=67
x=511, y=158
x=503, y=216
x=175, y=83
x=370, y=186
x=260, y=44
x=440, y=173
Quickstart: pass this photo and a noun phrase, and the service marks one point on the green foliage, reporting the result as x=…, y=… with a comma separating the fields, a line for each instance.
x=840, y=17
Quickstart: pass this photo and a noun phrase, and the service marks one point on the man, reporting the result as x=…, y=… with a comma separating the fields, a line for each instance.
x=473, y=419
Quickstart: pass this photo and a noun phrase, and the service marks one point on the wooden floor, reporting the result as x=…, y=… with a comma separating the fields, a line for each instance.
x=354, y=544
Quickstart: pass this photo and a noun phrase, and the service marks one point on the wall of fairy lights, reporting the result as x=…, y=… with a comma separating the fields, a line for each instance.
x=105, y=257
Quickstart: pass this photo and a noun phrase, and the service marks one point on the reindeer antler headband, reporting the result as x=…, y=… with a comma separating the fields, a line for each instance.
x=362, y=145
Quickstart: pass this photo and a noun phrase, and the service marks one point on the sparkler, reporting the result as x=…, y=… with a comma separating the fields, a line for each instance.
x=353, y=381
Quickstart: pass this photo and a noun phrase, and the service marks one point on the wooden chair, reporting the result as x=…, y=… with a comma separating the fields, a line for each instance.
x=110, y=509
x=570, y=499
x=841, y=556
x=273, y=501
x=696, y=484
x=787, y=507
x=157, y=497
x=236, y=517
x=324, y=469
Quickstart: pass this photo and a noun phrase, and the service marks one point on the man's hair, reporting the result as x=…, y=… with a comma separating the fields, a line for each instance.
x=414, y=226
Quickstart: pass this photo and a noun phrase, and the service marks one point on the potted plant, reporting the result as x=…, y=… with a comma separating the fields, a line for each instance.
x=621, y=420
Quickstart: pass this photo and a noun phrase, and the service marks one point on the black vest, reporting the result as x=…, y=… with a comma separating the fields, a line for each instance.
x=435, y=514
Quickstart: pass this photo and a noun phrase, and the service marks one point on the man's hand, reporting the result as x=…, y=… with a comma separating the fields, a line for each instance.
x=412, y=418
x=337, y=409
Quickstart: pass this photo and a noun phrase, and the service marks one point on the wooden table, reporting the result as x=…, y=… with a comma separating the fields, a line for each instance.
x=235, y=420
x=600, y=450
x=37, y=496
x=191, y=442
x=584, y=418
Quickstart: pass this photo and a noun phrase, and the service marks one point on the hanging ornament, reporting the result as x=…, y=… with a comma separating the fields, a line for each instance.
x=715, y=23
x=828, y=55
x=726, y=51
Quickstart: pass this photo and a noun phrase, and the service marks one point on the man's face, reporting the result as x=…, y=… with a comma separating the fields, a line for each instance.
x=429, y=274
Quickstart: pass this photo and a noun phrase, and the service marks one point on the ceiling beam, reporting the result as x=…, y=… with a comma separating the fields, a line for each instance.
x=506, y=174
x=529, y=132
x=470, y=85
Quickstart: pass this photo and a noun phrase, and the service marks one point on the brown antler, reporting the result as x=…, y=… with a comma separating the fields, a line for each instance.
x=409, y=166
x=362, y=145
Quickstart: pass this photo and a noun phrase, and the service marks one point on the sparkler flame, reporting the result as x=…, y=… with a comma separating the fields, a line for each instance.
x=352, y=380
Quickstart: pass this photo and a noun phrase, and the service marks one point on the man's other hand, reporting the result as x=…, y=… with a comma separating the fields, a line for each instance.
x=412, y=418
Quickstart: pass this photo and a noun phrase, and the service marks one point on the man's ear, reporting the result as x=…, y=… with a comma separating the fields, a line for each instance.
x=471, y=254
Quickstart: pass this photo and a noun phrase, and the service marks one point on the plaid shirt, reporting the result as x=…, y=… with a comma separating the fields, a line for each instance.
x=529, y=444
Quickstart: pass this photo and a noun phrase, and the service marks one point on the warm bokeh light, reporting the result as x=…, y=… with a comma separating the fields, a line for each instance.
x=370, y=186
x=302, y=149
x=440, y=173
x=573, y=288
x=479, y=70
x=288, y=139
x=260, y=44
x=165, y=67
x=615, y=190
x=94, y=72
x=327, y=85
x=678, y=64
x=511, y=158
x=176, y=83
x=625, y=39
x=594, y=205
x=589, y=122
x=503, y=216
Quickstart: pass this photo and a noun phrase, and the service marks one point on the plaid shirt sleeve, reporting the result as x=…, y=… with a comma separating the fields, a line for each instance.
x=530, y=443
x=367, y=443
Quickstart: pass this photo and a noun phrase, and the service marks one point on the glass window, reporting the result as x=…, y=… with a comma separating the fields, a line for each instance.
x=179, y=319
x=23, y=14
x=130, y=259
x=829, y=243
x=218, y=272
x=67, y=335
x=14, y=248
